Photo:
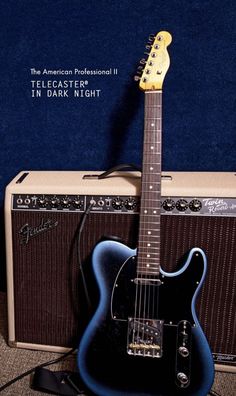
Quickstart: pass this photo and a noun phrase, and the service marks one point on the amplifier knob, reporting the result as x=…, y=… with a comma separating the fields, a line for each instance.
x=77, y=203
x=130, y=203
x=181, y=205
x=195, y=205
x=117, y=203
x=65, y=202
x=42, y=202
x=168, y=204
x=54, y=202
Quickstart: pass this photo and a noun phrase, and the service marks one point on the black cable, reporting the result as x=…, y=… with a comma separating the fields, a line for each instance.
x=214, y=393
x=79, y=255
x=30, y=371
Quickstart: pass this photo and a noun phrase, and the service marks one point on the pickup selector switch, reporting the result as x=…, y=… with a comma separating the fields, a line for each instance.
x=117, y=203
x=181, y=205
x=195, y=205
x=130, y=203
x=168, y=204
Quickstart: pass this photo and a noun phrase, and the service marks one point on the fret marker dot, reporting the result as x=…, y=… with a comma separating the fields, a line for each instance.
x=145, y=211
x=152, y=124
x=152, y=147
x=148, y=244
x=151, y=168
x=147, y=265
x=149, y=232
x=148, y=255
x=154, y=211
x=150, y=187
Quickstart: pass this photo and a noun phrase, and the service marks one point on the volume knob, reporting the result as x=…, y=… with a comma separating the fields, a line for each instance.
x=168, y=204
x=42, y=202
x=117, y=203
x=183, y=351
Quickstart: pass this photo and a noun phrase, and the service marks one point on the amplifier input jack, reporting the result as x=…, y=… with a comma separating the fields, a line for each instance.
x=100, y=202
x=27, y=201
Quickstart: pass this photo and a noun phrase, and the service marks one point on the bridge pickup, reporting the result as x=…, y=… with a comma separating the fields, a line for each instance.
x=145, y=337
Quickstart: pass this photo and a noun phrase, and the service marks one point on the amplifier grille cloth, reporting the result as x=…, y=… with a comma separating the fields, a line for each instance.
x=49, y=303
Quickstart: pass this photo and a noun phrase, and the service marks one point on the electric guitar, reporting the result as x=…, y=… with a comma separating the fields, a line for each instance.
x=144, y=338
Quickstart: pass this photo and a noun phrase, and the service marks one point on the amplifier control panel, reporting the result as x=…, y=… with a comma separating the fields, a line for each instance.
x=123, y=204
x=78, y=203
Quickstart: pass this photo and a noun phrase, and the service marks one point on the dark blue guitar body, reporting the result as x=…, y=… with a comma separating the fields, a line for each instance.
x=106, y=362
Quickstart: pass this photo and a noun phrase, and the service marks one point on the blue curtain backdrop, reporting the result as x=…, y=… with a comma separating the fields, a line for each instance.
x=94, y=133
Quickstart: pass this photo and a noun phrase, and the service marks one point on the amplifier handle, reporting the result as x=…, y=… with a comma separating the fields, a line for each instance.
x=130, y=167
x=116, y=168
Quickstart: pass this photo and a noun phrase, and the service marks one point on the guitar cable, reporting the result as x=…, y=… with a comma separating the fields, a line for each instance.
x=30, y=371
x=213, y=393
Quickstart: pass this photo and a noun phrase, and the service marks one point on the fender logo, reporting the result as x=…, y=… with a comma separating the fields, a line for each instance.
x=26, y=232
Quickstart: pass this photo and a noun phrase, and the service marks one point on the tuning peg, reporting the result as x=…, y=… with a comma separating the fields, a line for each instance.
x=137, y=78
x=143, y=61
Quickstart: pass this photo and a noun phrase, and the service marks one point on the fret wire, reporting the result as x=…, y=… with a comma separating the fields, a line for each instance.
x=149, y=260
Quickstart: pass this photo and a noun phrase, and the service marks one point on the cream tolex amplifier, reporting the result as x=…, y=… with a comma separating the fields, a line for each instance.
x=46, y=248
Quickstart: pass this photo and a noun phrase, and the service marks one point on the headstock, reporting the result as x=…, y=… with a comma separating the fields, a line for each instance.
x=154, y=69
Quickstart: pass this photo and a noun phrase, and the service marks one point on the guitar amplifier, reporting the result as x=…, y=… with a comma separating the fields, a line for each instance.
x=54, y=219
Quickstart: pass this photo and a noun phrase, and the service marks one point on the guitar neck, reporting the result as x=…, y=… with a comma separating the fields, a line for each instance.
x=150, y=209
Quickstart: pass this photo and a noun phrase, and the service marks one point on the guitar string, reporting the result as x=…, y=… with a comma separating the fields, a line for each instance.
x=153, y=139
x=150, y=292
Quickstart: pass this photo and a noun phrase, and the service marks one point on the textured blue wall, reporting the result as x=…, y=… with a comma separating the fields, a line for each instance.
x=96, y=133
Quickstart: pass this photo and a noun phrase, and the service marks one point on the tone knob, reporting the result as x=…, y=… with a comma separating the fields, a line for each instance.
x=117, y=203
x=168, y=204
x=78, y=203
x=65, y=202
x=195, y=205
x=54, y=202
x=181, y=205
x=130, y=203
x=42, y=201
x=183, y=379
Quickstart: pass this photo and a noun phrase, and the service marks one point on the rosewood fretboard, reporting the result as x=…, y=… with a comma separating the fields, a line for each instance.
x=150, y=210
